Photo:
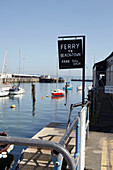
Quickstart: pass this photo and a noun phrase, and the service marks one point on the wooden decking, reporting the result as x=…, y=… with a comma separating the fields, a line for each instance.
x=37, y=158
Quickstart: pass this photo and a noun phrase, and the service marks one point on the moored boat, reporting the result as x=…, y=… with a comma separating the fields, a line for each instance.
x=3, y=93
x=79, y=88
x=6, y=88
x=16, y=90
x=58, y=92
x=5, y=148
x=69, y=86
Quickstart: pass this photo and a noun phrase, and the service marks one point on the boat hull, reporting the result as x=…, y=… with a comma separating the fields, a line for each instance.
x=68, y=88
x=58, y=92
x=6, y=88
x=4, y=93
x=15, y=92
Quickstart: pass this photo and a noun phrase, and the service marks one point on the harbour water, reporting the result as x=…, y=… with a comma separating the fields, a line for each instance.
x=28, y=118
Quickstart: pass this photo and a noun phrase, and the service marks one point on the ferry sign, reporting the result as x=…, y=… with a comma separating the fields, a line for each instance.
x=70, y=54
x=109, y=89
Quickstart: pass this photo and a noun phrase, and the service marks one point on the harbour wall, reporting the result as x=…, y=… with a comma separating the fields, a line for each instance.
x=22, y=80
x=31, y=80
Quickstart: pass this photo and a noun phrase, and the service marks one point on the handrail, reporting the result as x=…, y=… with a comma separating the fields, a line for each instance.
x=71, y=109
x=68, y=131
x=56, y=156
x=41, y=143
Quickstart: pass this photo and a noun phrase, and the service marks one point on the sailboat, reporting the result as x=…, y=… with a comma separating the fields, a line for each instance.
x=57, y=92
x=16, y=89
x=69, y=86
x=5, y=87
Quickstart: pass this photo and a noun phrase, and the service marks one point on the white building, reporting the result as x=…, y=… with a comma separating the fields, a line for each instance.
x=5, y=75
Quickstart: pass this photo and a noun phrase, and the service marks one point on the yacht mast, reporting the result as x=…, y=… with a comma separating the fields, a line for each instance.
x=19, y=59
x=19, y=62
x=5, y=63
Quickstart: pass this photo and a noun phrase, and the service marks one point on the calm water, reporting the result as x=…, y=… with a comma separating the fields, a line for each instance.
x=27, y=119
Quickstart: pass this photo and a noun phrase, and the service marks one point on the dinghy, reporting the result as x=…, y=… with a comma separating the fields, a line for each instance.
x=5, y=148
x=57, y=92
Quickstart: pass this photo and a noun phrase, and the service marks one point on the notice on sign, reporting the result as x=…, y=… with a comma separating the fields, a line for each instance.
x=109, y=89
x=70, y=54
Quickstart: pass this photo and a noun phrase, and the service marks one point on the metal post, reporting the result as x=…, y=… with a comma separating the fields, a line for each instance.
x=87, y=130
x=82, y=139
x=77, y=141
x=83, y=73
x=57, y=159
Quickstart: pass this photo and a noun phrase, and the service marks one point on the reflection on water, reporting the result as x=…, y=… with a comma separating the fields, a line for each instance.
x=33, y=112
x=58, y=98
x=3, y=99
x=79, y=91
x=18, y=96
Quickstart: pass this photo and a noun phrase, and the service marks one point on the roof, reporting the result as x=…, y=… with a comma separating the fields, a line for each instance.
x=111, y=55
x=101, y=66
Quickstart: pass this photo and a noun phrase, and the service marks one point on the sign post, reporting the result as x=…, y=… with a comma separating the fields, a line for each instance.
x=71, y=50
x=83, y=75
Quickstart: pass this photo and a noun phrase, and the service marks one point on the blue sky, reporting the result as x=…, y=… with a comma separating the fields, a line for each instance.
x=34, y=27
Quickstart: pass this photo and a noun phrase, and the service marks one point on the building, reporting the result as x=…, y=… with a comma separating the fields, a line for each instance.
x=5, y=75
x=103, y=75
x=15, y=78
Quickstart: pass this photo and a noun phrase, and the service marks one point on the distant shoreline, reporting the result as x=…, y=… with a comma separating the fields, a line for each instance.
x=88, y=80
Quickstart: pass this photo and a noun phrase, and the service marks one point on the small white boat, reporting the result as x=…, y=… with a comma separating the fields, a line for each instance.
x=90, y=87
x=16, y=90
x=79, y=88
x=58, y=92
x=3, y=93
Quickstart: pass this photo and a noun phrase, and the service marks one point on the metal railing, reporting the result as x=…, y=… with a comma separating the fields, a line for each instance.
x=81, y=122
